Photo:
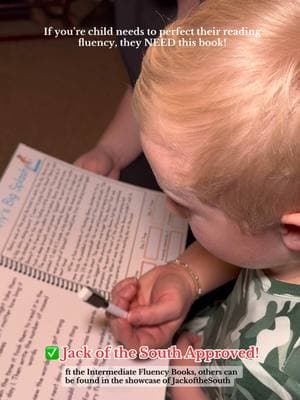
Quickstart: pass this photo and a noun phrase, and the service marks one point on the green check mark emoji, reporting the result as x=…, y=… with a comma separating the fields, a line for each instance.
x=52, y=352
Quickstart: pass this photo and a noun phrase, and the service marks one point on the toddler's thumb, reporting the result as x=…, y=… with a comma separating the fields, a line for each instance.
x=154, y=314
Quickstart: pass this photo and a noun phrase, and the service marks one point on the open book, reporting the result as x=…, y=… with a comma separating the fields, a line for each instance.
x=60, y=228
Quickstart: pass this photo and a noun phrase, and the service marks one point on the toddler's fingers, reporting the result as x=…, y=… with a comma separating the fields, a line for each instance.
x=123, y=332
x=91, y=162
x=114, y=174
x=125, y=299
x=118, y=289
x=78, y=162
x=185, y=340
x=123, y=295
x=154, y=314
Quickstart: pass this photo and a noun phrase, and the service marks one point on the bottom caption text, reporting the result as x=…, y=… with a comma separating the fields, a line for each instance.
x=159, y=376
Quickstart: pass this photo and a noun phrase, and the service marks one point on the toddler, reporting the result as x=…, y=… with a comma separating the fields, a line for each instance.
x=220, y=128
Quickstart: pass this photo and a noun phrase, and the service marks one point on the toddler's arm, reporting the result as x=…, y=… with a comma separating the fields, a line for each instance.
x=118, y=145
x=159, y=301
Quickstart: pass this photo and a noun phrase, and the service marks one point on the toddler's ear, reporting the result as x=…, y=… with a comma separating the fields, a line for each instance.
x=290, y=231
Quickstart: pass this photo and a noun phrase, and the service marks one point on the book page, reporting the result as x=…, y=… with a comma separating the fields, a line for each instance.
x=34, y=314
x=80, y=226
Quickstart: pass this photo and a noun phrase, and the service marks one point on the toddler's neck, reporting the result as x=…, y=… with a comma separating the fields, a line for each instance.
x=287, y=273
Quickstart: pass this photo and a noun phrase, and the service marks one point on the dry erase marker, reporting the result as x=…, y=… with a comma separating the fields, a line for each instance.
x=93, y=298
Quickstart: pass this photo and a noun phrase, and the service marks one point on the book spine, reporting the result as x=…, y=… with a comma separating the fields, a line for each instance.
x=44, y=276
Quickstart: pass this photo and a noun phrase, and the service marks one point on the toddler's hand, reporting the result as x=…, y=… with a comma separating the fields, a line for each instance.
x=100, y=161
x=185, y=340
x=157, y=303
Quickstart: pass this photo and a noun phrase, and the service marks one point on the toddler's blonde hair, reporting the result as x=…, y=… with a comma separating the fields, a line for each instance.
x=233, y=110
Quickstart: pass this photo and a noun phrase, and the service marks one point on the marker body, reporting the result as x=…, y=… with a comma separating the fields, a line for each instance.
x=116, y=311
x=94, y=299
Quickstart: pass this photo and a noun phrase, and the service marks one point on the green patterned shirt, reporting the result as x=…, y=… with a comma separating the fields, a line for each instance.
x=265, y=313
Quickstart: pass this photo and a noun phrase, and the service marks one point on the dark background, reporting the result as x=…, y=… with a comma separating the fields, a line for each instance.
x=55, y=96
